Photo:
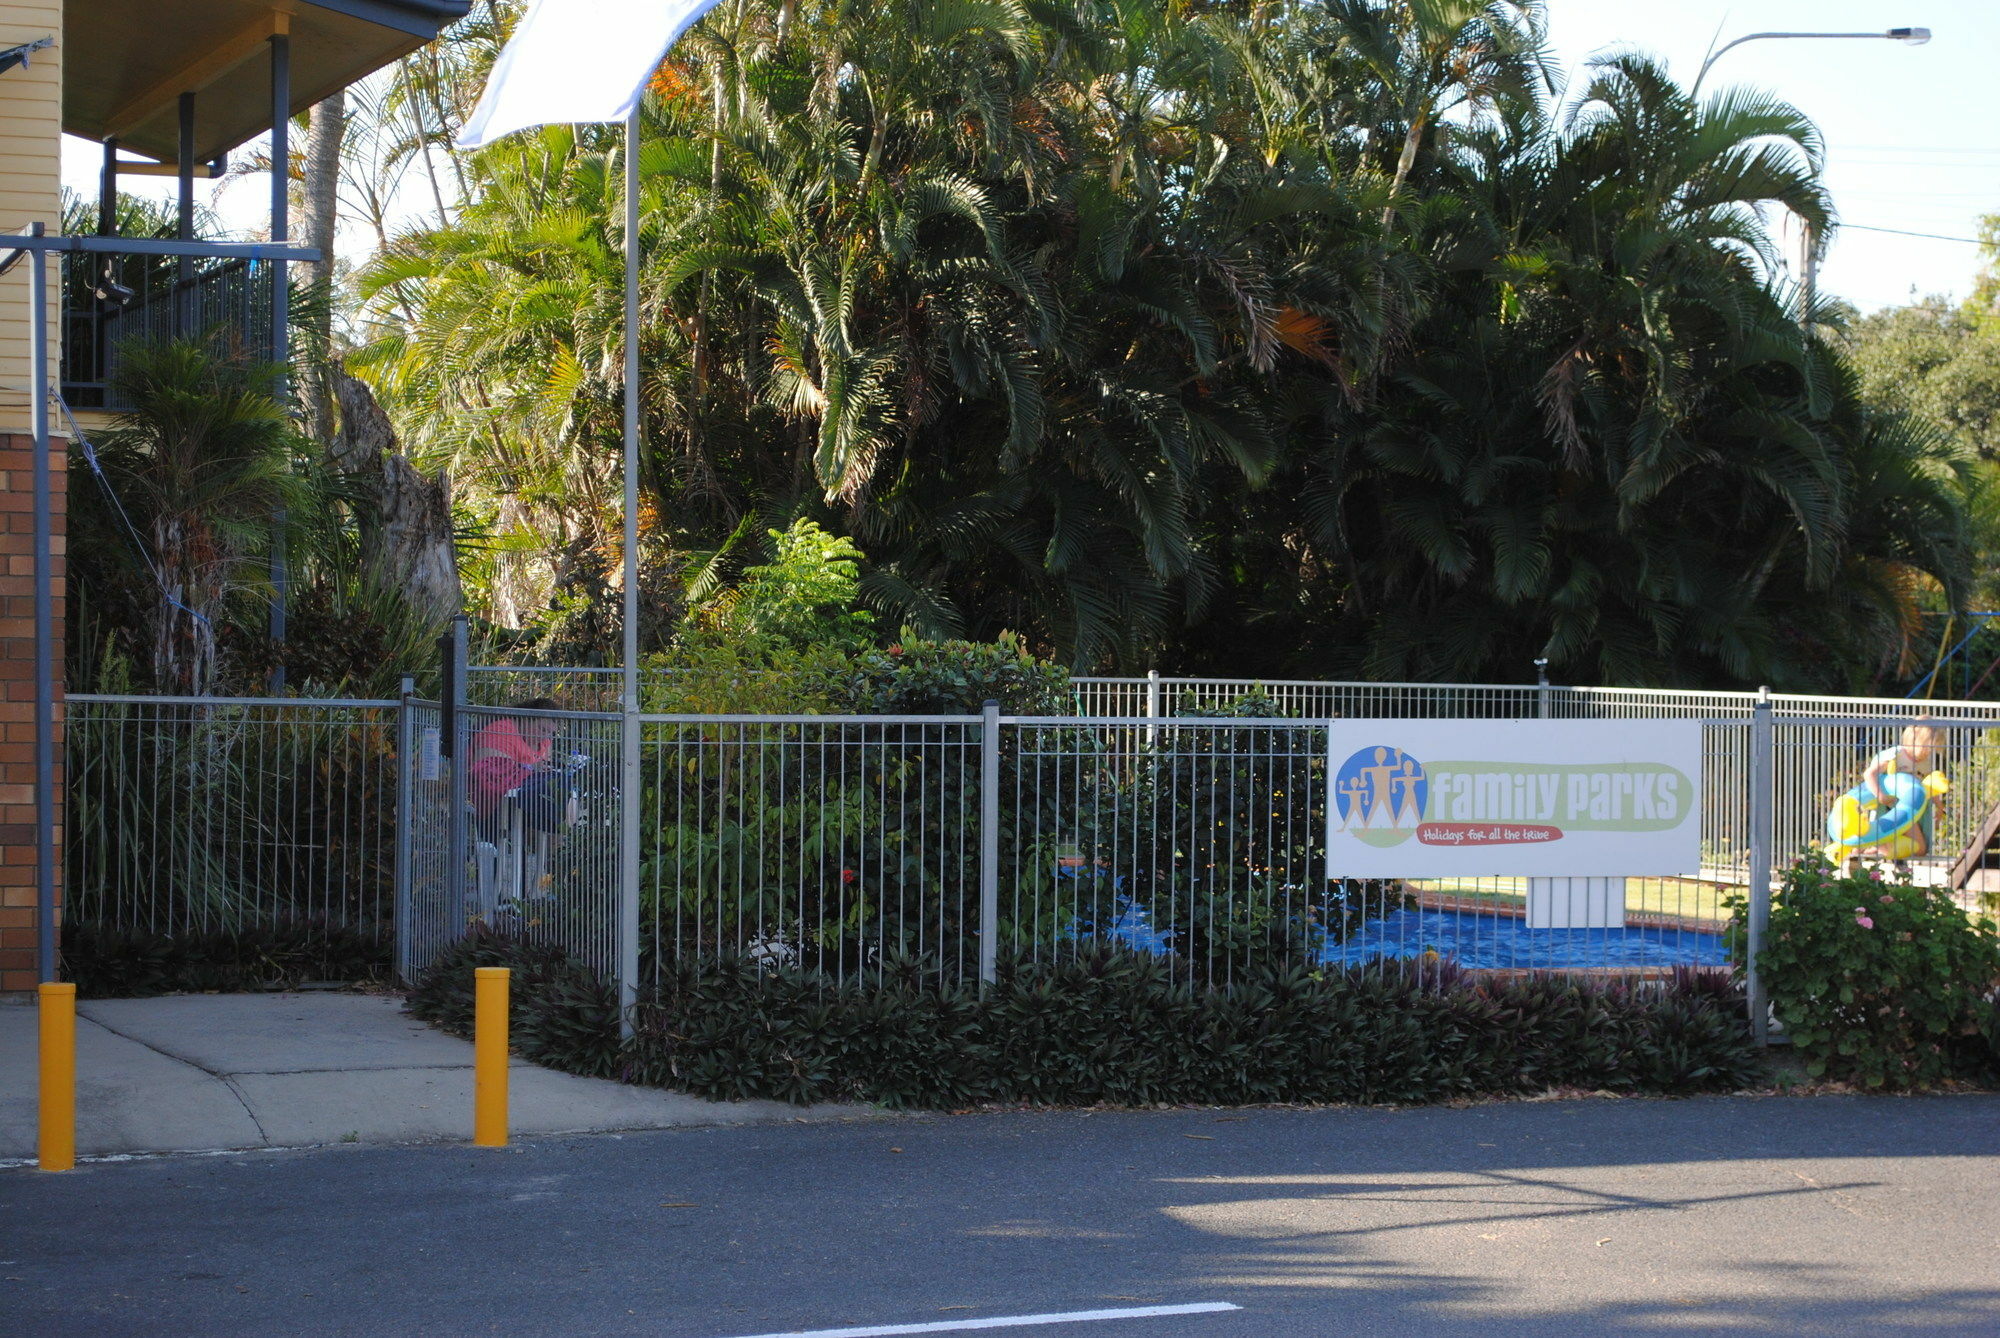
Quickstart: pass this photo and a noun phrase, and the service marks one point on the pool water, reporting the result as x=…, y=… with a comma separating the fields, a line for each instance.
x=1501, y=942
x=1505, y=942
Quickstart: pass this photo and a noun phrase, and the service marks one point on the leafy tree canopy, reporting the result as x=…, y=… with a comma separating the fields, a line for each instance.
x=1312, y=339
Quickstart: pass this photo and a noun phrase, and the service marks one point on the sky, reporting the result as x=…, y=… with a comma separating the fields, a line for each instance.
x=1911, y=138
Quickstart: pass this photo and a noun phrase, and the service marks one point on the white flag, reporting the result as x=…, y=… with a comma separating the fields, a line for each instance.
x=577, y=60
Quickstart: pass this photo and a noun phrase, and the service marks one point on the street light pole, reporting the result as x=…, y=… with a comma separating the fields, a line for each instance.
x=1907, y=36
x=1809, y=263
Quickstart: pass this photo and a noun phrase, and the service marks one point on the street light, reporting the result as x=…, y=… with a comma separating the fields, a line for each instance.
x=1907, y=36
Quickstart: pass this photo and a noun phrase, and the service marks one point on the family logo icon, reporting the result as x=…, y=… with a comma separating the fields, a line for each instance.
x=1381, y=793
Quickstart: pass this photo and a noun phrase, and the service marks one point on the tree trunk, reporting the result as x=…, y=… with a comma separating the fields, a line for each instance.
x=406, y=540
x=1404, y=162
x=324, y=133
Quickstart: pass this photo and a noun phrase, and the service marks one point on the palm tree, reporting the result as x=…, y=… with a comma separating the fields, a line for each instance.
x=1292, y=337
x=201, y=462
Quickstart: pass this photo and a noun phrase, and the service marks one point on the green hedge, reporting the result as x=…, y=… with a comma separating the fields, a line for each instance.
x=560, y=1014
x=1114, y=1027
x=267, y=955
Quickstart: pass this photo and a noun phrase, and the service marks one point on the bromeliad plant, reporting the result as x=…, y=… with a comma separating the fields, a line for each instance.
x=1878, y=982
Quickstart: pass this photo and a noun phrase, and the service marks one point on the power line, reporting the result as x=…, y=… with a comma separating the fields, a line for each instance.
x=1916, y=148
x=1903, y=232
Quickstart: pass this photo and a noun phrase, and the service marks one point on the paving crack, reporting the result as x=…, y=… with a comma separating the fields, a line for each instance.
x=196, y=1065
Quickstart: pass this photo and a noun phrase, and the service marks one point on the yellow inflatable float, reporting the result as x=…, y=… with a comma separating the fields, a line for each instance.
x=1900, y=829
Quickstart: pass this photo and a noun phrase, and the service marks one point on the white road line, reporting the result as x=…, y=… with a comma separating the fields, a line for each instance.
x=1007, y=1321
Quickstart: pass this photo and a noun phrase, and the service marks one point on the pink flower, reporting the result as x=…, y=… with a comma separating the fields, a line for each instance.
x=1888, y=901
x=1861, y=910
x=1875, y=875
x=1864, y=922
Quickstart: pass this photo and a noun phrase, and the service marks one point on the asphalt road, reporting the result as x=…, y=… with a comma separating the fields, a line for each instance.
x=1773, y=1216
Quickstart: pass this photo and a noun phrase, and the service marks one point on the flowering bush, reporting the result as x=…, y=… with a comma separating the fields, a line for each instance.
x=1879, y=982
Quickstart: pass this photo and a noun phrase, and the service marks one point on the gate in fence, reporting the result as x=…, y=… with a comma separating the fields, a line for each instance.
x=943, y=845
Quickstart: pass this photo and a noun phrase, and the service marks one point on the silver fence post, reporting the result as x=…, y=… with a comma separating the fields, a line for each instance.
x=989, y=844
x=631, y=734
x=1542, y=685
x=46, y=817
x=1152, y=705
x=1761, y=818
x=405, y=783
x=456, y=738
x=629, y=780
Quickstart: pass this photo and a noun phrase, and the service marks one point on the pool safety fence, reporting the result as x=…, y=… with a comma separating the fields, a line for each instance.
x=195, y=814
x=595, y=688
x=943, y=845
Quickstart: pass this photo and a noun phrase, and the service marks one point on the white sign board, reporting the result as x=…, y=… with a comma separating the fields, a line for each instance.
x=1535, y=798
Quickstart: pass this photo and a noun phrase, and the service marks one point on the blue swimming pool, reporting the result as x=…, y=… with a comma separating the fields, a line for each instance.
x=1505, y=942
x=1501, y=942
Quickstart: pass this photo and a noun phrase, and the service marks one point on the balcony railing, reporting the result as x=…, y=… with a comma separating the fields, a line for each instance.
x=112, y=303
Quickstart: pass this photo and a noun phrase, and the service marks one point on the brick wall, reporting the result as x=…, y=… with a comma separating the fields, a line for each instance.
x=17, y=700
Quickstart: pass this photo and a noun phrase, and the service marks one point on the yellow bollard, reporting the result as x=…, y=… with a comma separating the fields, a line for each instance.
x=56, y=1149
x=489, y=1057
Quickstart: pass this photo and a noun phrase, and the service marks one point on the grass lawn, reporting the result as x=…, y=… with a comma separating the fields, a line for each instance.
x=1658, y=896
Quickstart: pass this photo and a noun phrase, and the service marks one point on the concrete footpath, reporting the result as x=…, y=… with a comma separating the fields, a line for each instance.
x=199, y=1072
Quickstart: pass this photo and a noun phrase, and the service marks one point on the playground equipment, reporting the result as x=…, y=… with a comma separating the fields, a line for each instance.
x=1903, y=828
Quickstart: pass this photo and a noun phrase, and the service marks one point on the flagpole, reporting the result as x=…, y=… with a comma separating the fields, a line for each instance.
x=628, y=789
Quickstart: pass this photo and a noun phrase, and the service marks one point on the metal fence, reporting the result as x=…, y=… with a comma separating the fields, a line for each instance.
x=112, y=302
x=850, y=844
x=595, y=688
x=575, y=689
x=537, y=847
x=941, y=845
x=946, y=845
x=195, y=814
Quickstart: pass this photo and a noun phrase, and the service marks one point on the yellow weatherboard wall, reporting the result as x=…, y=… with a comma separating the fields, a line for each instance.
x=30, y=186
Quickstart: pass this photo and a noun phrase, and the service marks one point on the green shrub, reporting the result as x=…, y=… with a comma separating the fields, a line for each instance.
x=271, y=955
x=559, y=1014
x=1124, y=1028
x=1879, y=983
x=709, y=673
x=805, y=596
x=779, y=835
x=917, y=677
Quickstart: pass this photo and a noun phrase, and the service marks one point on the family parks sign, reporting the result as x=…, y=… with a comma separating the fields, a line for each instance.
x=1535, y=798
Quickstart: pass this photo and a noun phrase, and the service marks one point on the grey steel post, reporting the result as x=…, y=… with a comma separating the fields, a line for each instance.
x=45, y=624
x=455, y=738
x=1761, y=813
x=183, y=305
x=629, y=740
x=989, y=844
x=405, y=783
x=107, y=190
x=281, y=194
x=281, y=231
x=1542, y=686
x=1152, y=705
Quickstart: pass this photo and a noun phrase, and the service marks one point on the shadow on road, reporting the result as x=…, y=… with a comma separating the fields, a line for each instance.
x=1825, y=1215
